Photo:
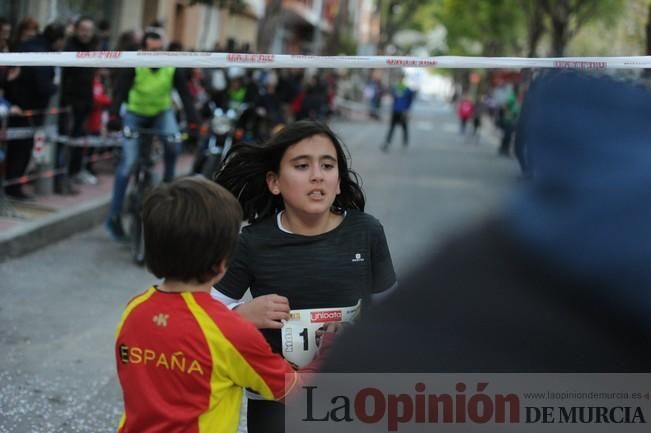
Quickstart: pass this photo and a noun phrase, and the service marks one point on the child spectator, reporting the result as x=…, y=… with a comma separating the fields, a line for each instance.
x=95, y=122
x=182, y=358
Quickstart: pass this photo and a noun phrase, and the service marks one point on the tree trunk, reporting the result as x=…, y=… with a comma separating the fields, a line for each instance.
x=268, y=26
x=341, y=23
x=560, y=36
x=560, y=14
x=535, y=29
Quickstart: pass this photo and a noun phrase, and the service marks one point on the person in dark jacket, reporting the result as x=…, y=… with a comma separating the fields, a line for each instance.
x=557, y=282
x=77, y=94
x=30, y=90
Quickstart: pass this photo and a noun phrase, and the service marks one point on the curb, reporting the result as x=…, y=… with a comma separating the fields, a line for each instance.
x=62, y=224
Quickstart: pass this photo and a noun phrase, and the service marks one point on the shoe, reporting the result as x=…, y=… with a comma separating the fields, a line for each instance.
x=115, y=229
x=84, y=177
x=385, y=147
x=19, y=195
x=64, y=187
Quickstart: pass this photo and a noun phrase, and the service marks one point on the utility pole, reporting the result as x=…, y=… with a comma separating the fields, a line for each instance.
x=53, y=10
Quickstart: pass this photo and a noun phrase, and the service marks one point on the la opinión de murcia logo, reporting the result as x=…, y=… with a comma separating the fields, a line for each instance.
x=371, y=405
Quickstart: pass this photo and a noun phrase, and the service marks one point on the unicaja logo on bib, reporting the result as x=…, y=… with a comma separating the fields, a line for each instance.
x=326, y=316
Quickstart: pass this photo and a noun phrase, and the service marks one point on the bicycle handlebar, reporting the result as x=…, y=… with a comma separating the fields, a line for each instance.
x=136, y=132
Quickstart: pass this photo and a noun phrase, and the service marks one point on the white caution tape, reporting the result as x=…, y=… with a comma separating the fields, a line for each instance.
x=124, y=59
x=21, y=133
x=88, y=141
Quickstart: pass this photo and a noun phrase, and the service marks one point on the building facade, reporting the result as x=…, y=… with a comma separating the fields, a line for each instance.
x=303, y=26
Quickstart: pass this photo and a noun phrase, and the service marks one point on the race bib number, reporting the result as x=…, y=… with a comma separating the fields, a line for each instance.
x=299, y=335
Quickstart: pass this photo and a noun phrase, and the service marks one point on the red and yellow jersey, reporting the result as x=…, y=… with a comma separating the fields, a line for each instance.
x=182, y=361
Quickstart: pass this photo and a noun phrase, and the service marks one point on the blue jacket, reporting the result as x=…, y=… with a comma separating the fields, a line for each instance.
x=402, y=97
x=586, y=210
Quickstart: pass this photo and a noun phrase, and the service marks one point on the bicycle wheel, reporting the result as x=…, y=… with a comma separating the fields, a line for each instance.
x=136, y=235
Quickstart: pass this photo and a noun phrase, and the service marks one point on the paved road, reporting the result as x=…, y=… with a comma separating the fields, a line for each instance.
x=59, y=306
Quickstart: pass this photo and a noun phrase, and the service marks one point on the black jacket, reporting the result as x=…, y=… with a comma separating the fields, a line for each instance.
x=34, y=87
x=77, y=83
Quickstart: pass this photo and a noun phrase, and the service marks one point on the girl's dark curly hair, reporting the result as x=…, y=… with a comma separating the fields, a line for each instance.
x=246, y=166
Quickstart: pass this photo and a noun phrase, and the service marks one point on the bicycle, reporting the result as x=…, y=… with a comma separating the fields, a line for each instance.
x=144, y=178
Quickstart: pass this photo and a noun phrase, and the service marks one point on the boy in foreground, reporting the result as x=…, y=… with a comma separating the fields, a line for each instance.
x=182, y=358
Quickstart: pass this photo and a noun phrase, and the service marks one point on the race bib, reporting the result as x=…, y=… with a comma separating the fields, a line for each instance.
x=299, y=335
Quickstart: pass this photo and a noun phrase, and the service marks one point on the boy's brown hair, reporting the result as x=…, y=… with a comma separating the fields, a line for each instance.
x=190, y=225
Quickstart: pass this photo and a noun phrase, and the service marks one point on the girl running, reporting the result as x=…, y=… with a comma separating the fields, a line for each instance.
x=309, y=246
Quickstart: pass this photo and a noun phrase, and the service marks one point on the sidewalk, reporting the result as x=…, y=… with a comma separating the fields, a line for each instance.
x=52, y=217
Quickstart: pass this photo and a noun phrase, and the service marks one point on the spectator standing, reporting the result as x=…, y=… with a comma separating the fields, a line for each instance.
x=507, y=121
x=96, y=118
x=30, y=90
x=26, y=29
x=403, y=96
x=104, y=35
x=5, y=34
x=465, y=111
x=76, y=93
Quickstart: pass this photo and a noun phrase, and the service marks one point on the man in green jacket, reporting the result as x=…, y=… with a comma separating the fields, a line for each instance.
x=146, y=93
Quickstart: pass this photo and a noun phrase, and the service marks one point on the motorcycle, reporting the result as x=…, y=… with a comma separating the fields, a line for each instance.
x=216, y=145
x=253, y=125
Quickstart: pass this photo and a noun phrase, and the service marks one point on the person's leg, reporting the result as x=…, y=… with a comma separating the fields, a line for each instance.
x=394, y=120
x=376, y=108
x=17, y=158
x=79, y=116
x=125, y=166
x=265, y=417
x=89, y=165
x=165, y=122
x=23, y=153
x=61, y=156
x=505, y=145
x=405, y=129
x=74, y=165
